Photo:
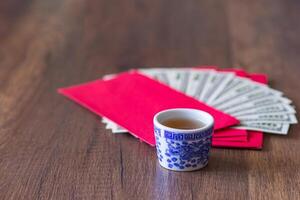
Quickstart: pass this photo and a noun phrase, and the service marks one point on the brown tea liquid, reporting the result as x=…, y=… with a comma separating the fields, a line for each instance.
x=181, y=123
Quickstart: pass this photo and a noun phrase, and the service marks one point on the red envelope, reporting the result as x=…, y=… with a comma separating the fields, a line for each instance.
x=131, y=100
x=261, y=78
x=232, y=139
x=255, y=141
x=230, y=132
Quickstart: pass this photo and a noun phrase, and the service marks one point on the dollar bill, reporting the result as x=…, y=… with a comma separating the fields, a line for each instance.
x=245, y=98
x=179, y=79
x=184, y=78
x=113, y=126
x=109, y=76
x=276, y=128
x=274, y=118
x=264, y=101
x=118, y=129
x=245, y=88
x=240, y=86
x=216, y=85
x=234, y=83
x=158, y=74
x=197, y=82
x=109, y=123
x=268, y=109
x=104, y=120
x=209, y=77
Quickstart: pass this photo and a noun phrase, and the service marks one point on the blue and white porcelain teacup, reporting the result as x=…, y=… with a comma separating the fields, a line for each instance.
x=183, y=149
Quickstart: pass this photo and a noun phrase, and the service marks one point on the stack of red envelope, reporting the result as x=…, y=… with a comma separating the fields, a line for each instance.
x=131, y=99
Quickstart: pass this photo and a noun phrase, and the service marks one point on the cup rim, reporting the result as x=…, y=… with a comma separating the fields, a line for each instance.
x=201, y=112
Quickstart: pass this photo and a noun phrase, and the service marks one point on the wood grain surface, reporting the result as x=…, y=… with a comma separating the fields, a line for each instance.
x=51, y=148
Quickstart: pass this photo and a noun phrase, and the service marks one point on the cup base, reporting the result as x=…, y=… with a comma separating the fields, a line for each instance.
x=185, y=169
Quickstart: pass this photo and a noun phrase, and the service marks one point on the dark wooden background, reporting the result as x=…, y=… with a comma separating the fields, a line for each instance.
x=50, y=148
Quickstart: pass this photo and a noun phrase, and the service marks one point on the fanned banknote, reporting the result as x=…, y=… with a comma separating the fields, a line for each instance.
x=256, y=105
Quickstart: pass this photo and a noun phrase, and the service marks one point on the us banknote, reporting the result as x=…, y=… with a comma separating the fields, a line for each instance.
x=255, y=105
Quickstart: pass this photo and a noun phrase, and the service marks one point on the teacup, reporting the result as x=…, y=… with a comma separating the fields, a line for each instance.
x=183, y=149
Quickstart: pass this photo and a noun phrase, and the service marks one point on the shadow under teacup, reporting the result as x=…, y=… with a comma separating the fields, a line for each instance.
x=183, y=138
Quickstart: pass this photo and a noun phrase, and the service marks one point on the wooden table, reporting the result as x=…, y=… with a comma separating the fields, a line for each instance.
x=51, y=148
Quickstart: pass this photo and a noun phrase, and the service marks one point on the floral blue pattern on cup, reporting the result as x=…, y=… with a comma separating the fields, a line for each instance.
x=183, y=150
